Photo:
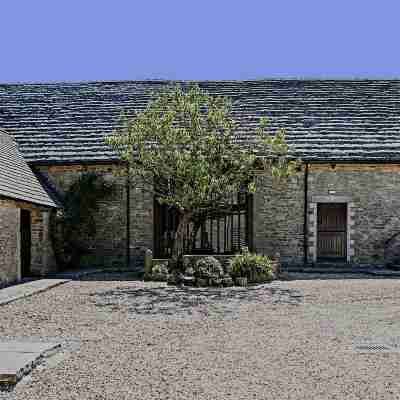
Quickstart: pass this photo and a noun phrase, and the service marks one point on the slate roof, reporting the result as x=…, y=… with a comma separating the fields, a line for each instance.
x=325, y=120
x=17, y=181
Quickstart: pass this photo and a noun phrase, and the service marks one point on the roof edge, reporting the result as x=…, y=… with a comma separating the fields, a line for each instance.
x=158, y=81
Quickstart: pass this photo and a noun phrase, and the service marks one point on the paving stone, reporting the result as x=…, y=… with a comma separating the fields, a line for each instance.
x=19, y=358
x=25, y=347
x=16, y=292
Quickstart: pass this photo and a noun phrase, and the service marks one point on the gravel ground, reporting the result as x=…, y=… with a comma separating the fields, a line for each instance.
x=285, y=340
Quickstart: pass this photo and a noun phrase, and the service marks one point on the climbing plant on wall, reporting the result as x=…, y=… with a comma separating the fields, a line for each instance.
x=73, y=227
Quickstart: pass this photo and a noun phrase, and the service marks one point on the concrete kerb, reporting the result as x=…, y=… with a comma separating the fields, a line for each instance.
x=20, y=358
x=24, y=290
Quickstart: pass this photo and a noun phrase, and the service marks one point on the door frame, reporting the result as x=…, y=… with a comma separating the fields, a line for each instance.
x=312, y=225
x=333, y=258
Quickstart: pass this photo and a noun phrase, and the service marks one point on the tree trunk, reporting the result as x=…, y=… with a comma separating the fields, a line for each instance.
x=184, y=223
x=196, y=227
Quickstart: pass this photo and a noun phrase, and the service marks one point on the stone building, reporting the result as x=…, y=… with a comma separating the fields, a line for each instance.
x=342, y=206
x=24, y=212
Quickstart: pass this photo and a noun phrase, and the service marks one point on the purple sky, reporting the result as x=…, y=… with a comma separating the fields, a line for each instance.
x=73, y=40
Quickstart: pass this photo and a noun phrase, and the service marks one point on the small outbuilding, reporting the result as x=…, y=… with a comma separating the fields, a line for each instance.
x=25, y=207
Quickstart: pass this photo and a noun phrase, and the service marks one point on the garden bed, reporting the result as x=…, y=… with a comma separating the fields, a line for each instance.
x=214, y=270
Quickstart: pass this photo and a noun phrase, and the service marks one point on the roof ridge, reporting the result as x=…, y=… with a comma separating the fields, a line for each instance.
x=158, y=81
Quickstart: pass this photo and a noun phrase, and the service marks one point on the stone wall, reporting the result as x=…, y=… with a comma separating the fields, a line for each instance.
x=109, y=248
x=279, y=217
x=278, y=226
x=42, y=255
x=10, y=268
x=141, y=223
x=373, y=204
x=372, y=196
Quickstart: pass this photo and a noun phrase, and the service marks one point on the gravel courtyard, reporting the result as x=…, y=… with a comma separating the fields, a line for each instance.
x=125, y=339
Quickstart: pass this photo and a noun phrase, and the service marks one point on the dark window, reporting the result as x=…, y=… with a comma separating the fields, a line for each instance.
x=223, y=233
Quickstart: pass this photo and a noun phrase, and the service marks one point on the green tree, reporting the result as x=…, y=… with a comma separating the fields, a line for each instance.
x=183, y=147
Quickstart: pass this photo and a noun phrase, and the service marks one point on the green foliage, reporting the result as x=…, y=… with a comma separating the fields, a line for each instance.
x=184, y=142
x=208, y=268
x=160, y=272
x=75, y=225
x=254, y=267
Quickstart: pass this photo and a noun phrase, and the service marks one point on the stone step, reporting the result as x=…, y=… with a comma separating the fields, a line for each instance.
x=347, y=269
x=19, y=358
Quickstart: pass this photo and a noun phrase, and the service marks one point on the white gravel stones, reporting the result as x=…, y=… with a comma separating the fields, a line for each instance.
x=285, y=340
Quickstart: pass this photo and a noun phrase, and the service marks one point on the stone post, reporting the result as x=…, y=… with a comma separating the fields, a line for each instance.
x=276, y=264
x=148, y=263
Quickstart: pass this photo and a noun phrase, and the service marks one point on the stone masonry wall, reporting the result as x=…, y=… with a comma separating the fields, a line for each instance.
x=42, y=255
x=371, y=192
x=372, y=195
x=141, y=223
x=10, y=268
x=109, y=247
x=279, y=217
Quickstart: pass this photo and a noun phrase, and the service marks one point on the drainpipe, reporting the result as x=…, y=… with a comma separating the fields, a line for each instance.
x=128, y=218
x=305, y=214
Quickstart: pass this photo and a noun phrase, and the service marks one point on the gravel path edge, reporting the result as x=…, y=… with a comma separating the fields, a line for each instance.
x=29, y=292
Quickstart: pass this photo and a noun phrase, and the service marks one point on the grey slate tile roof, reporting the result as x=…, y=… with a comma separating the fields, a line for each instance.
x=17, y=181
x=325, y=120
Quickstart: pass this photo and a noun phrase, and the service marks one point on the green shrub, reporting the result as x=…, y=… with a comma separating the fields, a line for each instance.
x=256, y=268
x=160, y=272
x=210, y=269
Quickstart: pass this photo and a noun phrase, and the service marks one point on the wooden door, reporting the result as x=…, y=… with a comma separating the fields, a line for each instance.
x=332, y=231
x=25, y=243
